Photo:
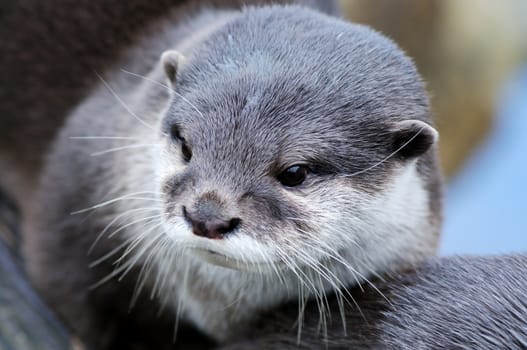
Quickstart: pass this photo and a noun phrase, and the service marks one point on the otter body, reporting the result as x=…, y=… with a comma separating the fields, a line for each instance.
x=229, y=163
x=447, y=303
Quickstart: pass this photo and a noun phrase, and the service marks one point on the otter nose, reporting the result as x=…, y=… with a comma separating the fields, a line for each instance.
x=210, y=227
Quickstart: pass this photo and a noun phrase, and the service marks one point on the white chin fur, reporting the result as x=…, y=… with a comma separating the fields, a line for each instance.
x=215, y=258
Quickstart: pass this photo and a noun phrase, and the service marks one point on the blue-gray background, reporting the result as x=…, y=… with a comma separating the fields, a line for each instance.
x=486, y=205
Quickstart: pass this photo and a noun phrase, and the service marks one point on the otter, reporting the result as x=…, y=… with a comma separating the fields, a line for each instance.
x=227, y=164
x=458, y=302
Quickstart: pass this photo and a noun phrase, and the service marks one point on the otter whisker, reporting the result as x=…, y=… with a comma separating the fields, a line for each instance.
x=301, y=283
x=175, y=253
x=342, y=311
x=293, y=267
x=324, y=271
x=323, y=322
x=179, y=307
x=147, y=266
x=114, y=220
x=339, y=290
x=108, y=255
x=318, y=245
x=166, y=87
x=302, y=302
x=354, y=271
x=165, y=254
x=122, y=148
x=333, y=254
x=150, y=246
x=114, y=251
x=122, y=103
x=113, y=200
x=119, y=269
x=307, y=280
x=337, y=285
x=364, y=278
x=133, y=242
x=387, y=157
x=146, y=269
x=104, y=138
x=372, y=272
x=111, y=235
x=271, y=262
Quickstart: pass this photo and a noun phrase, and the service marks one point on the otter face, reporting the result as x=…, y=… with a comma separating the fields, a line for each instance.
x=296, y=159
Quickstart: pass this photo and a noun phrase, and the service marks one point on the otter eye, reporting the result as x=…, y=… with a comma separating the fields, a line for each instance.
x=185, y=149
x=187, y=153
x=176, y=134
x=293, y=176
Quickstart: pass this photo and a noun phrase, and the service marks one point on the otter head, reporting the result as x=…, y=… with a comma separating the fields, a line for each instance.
x=298, y=142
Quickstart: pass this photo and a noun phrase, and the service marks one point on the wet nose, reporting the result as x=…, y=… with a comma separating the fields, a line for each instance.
x=210, y=227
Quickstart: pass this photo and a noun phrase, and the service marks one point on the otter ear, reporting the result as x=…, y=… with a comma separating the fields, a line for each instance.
x=411, y=138
x=172, y=61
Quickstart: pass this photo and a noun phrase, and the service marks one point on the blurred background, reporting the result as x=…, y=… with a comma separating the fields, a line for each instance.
x=473, y=56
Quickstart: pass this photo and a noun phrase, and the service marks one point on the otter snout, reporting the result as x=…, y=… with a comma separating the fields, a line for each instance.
x=207, y=224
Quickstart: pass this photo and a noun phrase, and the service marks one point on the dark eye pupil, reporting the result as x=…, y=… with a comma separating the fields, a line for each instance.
x=293, y=176
x=187, y=153
x=175, y=133
x=176, y=136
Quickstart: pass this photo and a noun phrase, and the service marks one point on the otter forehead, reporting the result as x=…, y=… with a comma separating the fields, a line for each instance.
x=287, y=49
x=324, y=91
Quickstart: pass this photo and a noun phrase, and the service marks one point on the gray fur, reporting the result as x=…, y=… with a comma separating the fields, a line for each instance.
x=259, y=91
x=447, y=303
x=48, y=58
